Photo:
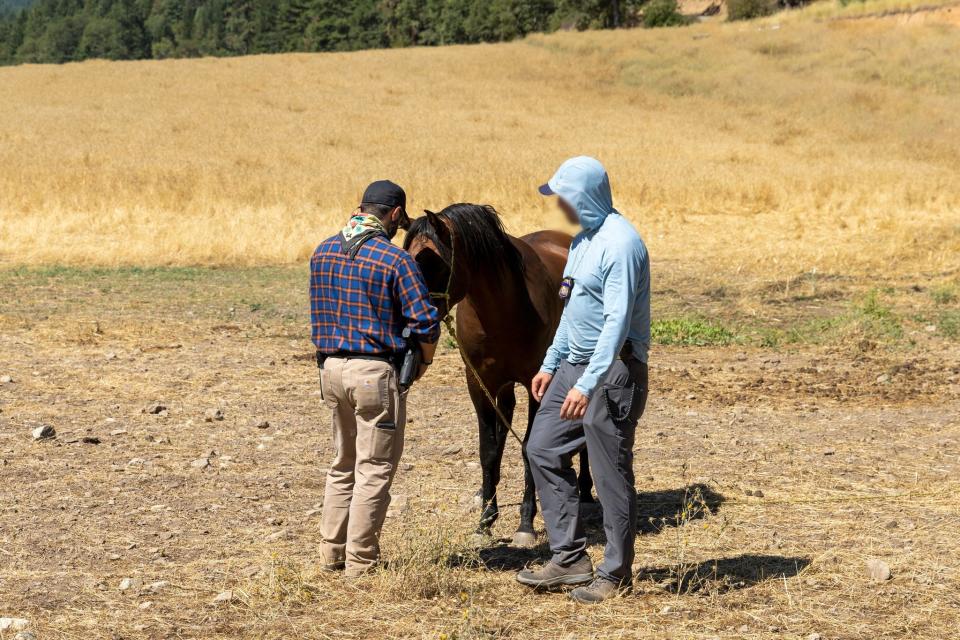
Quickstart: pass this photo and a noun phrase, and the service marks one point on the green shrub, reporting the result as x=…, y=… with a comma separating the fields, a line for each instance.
x=691, y=332
x=750, y=9
x=662, y=13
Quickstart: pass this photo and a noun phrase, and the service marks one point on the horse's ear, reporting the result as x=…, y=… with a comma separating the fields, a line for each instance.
x=436, y=221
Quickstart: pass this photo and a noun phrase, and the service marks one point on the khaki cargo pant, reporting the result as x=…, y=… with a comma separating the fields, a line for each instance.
x=369, y=414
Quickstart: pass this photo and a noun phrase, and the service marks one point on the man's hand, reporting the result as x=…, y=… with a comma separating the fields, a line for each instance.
x=539, y=385
x=574, y=406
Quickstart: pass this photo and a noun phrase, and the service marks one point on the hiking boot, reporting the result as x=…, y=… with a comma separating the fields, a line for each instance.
x=599, y=590
x=553, y=575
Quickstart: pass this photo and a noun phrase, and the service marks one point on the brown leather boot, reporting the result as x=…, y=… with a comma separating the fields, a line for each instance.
x=553, y=575
x=599, y=590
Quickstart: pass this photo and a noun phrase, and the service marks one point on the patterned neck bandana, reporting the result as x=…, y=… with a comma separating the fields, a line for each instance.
x=362, y=224
x=360, y=228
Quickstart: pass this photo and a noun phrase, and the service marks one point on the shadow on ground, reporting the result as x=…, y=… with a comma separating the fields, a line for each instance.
x=723, y=574
x=656, y=510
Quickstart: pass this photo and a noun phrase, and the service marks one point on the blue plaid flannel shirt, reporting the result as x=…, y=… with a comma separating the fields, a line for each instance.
x=362, y=304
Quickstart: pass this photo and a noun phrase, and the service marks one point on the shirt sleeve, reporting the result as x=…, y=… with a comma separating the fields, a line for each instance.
x=420, y=316
x=621, y=268
x=558, y=349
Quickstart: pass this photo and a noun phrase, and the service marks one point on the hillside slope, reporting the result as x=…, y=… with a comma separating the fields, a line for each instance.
x=763, y=147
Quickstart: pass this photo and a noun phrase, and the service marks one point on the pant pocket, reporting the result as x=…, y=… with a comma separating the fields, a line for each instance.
x=624, y=404
x=383, y=440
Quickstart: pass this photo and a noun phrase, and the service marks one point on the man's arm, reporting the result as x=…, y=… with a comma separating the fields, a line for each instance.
x=621, y=276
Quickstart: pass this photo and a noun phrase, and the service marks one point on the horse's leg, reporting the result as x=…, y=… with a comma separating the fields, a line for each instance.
x=492, y=440
x=525, y=536
x=585, y=480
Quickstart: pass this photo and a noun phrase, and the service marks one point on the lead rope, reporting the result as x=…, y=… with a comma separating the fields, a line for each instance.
x=451, y=329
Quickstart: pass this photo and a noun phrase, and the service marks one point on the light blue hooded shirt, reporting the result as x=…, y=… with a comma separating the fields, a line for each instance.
x=610, y=299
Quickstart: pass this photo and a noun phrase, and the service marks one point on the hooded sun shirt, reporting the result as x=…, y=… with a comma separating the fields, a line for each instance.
x=608, y=262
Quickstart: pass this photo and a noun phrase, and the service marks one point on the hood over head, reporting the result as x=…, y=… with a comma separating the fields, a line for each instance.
x=583, y=183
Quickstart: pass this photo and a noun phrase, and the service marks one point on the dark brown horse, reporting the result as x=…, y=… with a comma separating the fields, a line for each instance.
x=508, y=311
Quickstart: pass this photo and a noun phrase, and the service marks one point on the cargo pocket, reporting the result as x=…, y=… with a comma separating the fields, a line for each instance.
x=384, y=435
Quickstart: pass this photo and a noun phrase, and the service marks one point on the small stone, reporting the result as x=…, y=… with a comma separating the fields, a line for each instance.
x=224, y=597
x=154, y=409
x=213, y=415
x=143, y=606
x=263, y=424
x=814, y=636
x=452, y=450
x=892, y=524
x=90, y=440
x=473, y=465
x=128, y=584
x=114, y=556
x=200, y=463
x=744, y=628
x=14, y=624
x=118, y=432
x=44, y=432
x=406, y=466
x=691, y=396
x=110, y=356
x=883, y=378
x=878, y=570
x=25, y=635
x=158, y=586
x=666, y=610
x=6, y=380
x=136, y=462
x=829, y=452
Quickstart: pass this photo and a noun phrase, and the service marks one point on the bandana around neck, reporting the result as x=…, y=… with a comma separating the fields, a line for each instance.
x=362, y=224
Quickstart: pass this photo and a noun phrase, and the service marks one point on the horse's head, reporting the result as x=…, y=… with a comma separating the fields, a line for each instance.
x=463, y=245
x=431, y=243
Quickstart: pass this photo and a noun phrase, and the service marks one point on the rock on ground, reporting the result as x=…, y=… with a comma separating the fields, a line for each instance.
x=13, y=624
x=213, y=415
x=224, y=597
x=130, y=584
x=44, y=432
x=878, y=570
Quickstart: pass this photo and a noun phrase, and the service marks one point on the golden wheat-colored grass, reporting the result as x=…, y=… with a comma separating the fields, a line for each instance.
x=751, y=147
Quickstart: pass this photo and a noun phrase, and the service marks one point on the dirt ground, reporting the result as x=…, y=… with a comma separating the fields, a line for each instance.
x=769, y=475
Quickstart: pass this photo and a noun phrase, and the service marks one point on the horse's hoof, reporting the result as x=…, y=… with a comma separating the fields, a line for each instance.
x=524, y=540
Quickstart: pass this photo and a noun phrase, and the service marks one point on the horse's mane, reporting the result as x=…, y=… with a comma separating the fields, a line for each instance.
x=481, y=234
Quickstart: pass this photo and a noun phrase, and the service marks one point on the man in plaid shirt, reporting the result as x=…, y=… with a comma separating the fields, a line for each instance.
x=364, y=291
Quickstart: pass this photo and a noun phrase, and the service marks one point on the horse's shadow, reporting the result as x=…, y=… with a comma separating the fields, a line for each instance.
x=722, y=574
x=656, y=510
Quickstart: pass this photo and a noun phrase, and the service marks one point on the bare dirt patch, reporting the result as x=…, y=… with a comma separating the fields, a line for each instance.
x=768, y=475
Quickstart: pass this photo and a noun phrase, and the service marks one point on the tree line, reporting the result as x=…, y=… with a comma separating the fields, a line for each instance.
x=71, y=30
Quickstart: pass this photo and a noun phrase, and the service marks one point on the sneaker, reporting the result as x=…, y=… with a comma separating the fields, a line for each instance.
x=599, y=590
x=553, y=575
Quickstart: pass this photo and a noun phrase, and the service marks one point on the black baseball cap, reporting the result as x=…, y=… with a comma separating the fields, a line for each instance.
x=386, y=193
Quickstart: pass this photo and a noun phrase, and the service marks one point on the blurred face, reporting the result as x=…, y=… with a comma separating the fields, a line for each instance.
x=569, y=213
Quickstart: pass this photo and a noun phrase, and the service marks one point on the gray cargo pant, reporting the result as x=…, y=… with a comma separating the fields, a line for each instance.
x=607, y=430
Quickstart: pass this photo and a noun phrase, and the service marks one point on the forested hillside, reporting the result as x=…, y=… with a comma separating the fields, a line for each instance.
x=67, y=30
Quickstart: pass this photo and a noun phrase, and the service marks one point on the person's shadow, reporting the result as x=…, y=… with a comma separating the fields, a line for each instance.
x=656, y=510
x=722, y=574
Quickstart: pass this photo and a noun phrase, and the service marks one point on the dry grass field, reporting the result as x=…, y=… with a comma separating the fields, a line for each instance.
x=761, y=147
x=797, y=180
